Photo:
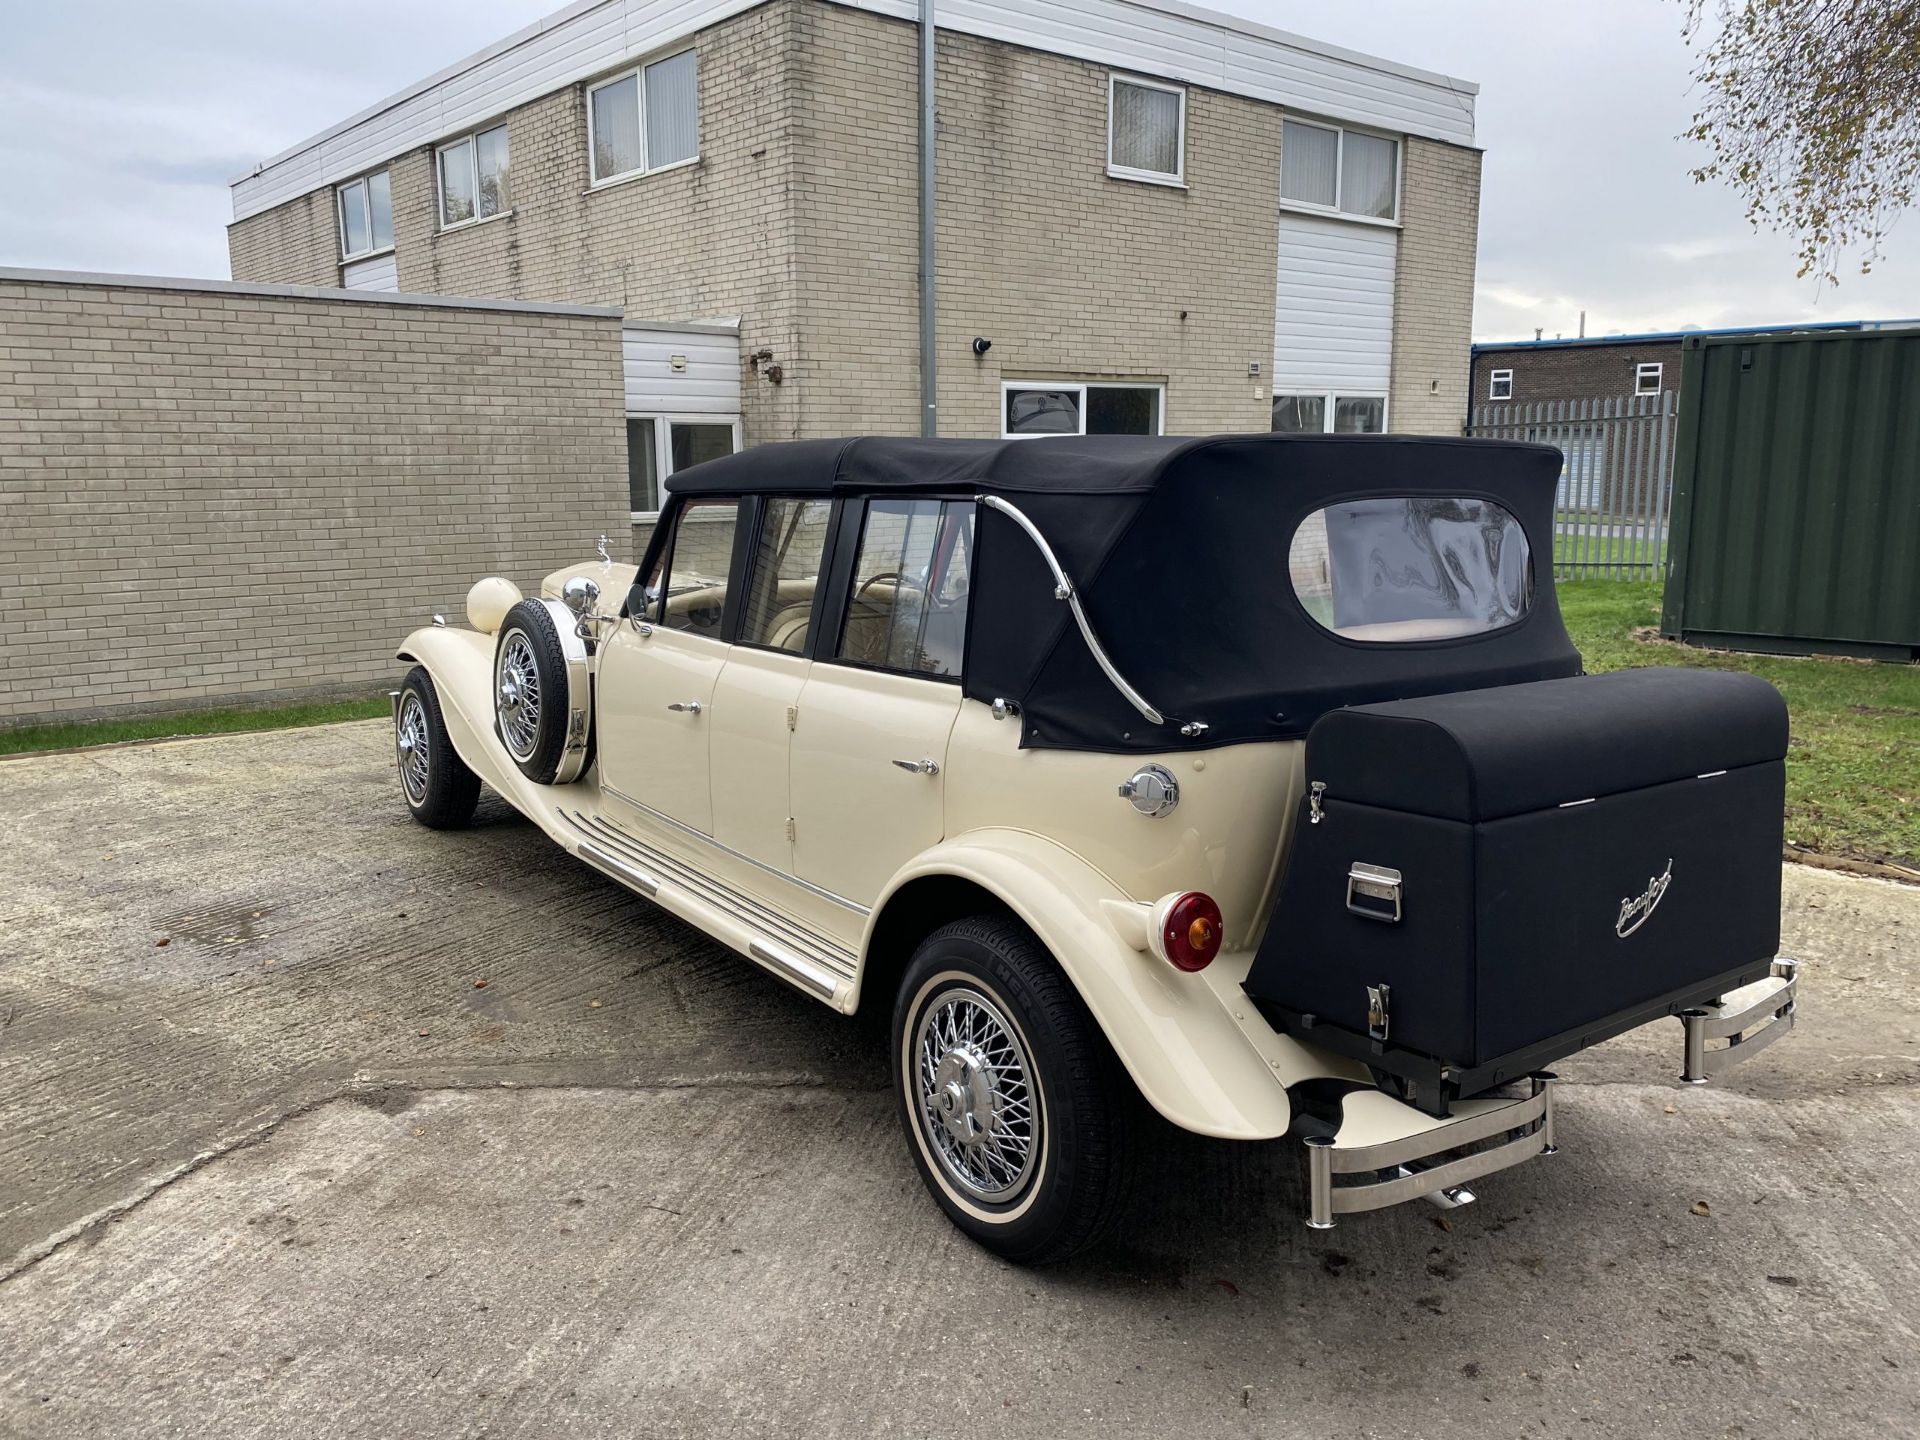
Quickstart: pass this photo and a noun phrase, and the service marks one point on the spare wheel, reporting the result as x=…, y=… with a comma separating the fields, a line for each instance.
x=543, y=693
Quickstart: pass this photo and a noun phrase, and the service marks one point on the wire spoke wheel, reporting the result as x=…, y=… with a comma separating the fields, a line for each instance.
x=411, y=739
x=517, y=678
x=975, y=1088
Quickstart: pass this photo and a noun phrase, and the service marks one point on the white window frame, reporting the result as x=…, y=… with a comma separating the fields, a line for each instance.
x=347, y=257
x=1654, y=370
x=1332, y=397
x=637, y=73
x=471, y=139
x=1498, y=379
x=1177, y=179
x=1081, y=387
x=1307, y=207
x=663, y=449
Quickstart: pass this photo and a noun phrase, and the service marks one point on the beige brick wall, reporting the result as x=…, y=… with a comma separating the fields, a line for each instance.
x=210, y=497
x=1071, y=274
x=801, y=216
x=297, y=243
x=1433, y=288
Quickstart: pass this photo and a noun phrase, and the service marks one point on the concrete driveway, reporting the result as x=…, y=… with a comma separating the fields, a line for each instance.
x=295, y=1171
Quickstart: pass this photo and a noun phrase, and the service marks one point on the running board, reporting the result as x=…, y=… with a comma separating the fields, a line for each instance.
x=628, y=875
x=1748, y=1019
x=810, y=963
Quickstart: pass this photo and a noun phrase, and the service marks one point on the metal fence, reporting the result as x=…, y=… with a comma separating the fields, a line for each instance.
x=1616, y=481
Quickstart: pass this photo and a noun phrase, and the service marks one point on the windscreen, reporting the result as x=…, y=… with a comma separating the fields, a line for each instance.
x=1400, y=569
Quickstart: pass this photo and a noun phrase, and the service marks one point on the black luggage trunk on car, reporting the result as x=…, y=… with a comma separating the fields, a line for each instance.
x=1574, y=857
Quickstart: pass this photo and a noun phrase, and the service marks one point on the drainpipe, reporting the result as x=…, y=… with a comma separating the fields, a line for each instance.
x=929, y=416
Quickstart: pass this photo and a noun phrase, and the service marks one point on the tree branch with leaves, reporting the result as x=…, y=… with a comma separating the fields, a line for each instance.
x=1812, y=114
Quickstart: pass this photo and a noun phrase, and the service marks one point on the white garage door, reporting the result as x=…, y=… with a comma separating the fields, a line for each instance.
x=1333, y=323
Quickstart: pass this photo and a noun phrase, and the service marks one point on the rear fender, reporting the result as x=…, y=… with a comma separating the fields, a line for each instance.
x=1172, y=1031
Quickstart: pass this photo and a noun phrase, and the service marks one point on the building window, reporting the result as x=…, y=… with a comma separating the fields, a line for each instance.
x=1500, y=385
x=473, y=178
x=645, y=120
x=1646, y=378
x=1323, y=167
x=659, y=446
x=1030, y=408
x=366, y=216
x=1146, y=131
x=1330, y=414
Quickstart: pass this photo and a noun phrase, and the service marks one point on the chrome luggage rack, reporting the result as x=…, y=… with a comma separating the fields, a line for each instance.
x=1748, y=1019
x=1528, y=1122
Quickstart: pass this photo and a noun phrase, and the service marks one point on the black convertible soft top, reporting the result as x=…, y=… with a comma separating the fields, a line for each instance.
x=1178, y=550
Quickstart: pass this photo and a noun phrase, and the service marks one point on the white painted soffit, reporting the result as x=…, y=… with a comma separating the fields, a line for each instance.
x=1150, y=37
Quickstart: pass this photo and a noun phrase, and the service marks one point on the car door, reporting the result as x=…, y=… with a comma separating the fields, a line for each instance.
x=757, y=694
x=656, y=681
x=870, y=732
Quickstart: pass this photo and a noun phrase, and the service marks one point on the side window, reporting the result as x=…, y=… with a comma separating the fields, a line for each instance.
x=908, y=610
x=785, y=573
x=688, y=589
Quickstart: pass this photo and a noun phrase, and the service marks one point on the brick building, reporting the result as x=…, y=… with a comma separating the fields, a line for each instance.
x=1156, y=218
x=1604, y=367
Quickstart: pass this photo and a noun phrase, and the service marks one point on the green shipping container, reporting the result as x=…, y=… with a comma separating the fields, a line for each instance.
x=1796, y=495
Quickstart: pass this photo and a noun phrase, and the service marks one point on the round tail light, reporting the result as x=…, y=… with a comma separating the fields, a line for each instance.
x=1191, y=932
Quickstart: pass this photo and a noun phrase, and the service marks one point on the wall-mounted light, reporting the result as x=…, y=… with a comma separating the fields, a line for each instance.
x=981, y=345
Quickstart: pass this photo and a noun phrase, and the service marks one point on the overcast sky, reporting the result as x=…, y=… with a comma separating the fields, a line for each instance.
x=122, y=120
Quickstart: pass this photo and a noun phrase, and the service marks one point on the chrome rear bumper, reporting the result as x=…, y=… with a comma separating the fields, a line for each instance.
x=1416, y=1166
x=1435, y=1163
x=1748, y=1019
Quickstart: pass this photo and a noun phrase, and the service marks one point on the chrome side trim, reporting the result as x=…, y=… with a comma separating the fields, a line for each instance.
x=786, y=934
x=801, y=972
x=685, y=829
x=618, y=869
x=1063, y=590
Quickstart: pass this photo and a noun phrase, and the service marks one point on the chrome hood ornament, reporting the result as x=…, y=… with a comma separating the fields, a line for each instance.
x=1636, y=908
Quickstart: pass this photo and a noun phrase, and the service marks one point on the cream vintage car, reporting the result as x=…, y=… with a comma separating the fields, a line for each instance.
x=1256, y=775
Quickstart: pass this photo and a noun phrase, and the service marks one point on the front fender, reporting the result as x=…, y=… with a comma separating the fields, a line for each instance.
x=460, y=662
x=1171, y=1030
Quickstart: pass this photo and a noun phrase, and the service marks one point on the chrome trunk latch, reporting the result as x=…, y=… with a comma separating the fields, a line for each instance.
x=1314, y=791
x=1378, y=998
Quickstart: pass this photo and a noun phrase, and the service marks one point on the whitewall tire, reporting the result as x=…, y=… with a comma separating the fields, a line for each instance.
x=440, y=790
x=543, y=693
x=1016, y=1112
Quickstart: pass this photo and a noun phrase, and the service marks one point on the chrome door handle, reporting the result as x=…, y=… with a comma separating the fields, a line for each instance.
x=919, y=767
x=685, y=707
